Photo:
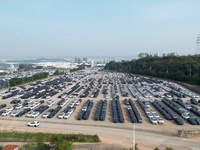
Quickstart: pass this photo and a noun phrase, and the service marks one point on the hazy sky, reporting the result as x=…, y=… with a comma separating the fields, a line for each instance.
x=53, y=28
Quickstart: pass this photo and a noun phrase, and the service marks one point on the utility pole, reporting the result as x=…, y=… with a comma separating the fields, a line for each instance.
x=190, y=73
x=134, y=136
x=198, y=45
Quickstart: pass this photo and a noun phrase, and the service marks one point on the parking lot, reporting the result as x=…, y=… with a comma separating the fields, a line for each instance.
x=99, y=98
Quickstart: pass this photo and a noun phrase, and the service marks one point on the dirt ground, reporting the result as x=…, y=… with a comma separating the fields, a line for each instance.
x=115, y=136
x=147, y=138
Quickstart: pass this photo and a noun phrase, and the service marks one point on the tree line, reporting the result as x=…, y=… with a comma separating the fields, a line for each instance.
x=181, y=68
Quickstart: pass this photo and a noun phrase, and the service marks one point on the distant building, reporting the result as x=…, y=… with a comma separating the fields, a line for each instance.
x=85, y=59
x=157, y=55
x=67, y=72
x=78, y=60
x=174, y=54
x=10, y=147
x=92, y=64
x=104, y=61
x=165, y=54
x=12, y=69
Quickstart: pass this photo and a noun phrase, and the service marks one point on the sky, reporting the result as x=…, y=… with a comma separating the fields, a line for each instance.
x=60, y=28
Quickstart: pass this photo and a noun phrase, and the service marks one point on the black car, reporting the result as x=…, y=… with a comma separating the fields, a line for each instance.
x=2, y=105
x=178, y=121
x=15, y=101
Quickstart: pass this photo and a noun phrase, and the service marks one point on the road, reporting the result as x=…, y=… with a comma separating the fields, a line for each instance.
x=112, y=138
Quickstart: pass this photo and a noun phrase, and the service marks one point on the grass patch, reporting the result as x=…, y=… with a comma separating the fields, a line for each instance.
x=48, y=136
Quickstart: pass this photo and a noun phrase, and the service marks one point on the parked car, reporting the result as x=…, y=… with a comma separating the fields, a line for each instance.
x=14, y=113
x=33, y=124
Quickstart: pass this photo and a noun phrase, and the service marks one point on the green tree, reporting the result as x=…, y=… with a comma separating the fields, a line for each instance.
x=181, y=68
x=29, y=145
x=136, y=147
x=64, y=145
x=156, y=148
x=40, y=143
x=60, y=144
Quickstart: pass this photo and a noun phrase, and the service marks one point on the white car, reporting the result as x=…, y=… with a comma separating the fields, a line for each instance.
x=5, y=113
x=19, y=106
x=33, y=124
x=84, y=108
x=29, y=114
x=45, y=115
x=35, y=114
x=185, y=115
x=64, y=95
x=149, y=114
x=14, y=113
x=151, y=100
x=29, y=101
x=160, y=120
x=67, y=115
x=156, y=115
x=61, y=115
x=153, y=120
x=71, y=104
x=71, y=111
x=129, y=107
x=152, y=110
x=147, y=111
x=10, y=108
x=77, y=103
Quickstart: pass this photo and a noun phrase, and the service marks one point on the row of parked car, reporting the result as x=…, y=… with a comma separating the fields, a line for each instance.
x=182, y=112
x=166, y=112
x=70, y=91
x=123, y=90
x=133, y=91
x=117, y=111
x=29, y=105
x=96, y=91
x=36, y=112
x=106, y=90
x=133, y=112
x=151, y=113
x=85, y=111
x=40, y=89
x=114, y=91
x=67, y=112
x=88, y=89
x=101, y=110
x=143, y=91
x=154, y=92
